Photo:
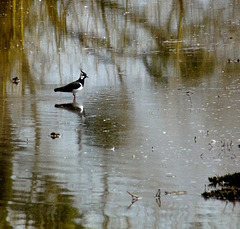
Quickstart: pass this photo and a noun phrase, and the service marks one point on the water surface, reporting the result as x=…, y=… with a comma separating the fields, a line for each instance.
x=160, y=110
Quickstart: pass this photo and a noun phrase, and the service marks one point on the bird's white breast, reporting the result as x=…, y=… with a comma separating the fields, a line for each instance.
x=78, y=89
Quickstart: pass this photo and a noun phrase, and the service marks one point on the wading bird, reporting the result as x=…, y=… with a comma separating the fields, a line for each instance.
x=75, y=86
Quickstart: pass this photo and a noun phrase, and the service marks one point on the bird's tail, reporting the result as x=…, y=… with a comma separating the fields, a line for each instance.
x=56, y=89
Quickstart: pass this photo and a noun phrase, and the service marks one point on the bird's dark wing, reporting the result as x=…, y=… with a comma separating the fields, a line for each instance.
x=69, y=87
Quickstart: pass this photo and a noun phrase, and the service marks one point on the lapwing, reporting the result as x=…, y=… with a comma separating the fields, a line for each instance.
x=75, y=86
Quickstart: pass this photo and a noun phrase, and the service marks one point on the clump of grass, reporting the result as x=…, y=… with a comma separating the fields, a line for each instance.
x=229, y=187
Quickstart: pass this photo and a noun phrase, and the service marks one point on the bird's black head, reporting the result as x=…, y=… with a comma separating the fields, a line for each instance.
x=83, y=75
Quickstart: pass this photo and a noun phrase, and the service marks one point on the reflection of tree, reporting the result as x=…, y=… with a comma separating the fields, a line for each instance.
x=111, y=19
x=6, y=149
x=6, y=143
x=46, y=206
x=58, y=19
x=156, y=63
x=196, y=64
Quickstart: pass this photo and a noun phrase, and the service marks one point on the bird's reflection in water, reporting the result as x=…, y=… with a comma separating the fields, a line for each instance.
x=77, y=109
x=73, y=107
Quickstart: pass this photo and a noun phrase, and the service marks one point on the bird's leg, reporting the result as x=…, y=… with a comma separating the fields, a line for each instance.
x=74, y=97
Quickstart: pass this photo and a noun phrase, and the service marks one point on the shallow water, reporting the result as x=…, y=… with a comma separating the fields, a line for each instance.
x=160, y=110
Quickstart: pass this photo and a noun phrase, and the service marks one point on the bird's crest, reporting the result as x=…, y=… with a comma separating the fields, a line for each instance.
x=83, y=75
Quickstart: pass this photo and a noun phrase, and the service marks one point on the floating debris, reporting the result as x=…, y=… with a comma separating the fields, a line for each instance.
x=170, y=175
x=135, y=198
x=158, y=194
x=54, y=135
x=225, y=144
x=234, y=61
x=158, y=197
x=176, y=193
x=189, y=93
x=15, y=80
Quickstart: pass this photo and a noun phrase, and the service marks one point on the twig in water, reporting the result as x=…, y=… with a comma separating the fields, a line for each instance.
x=158, y=194
x=189, y=93
x=211, y=146
x=135, y=198
x=158, y=197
